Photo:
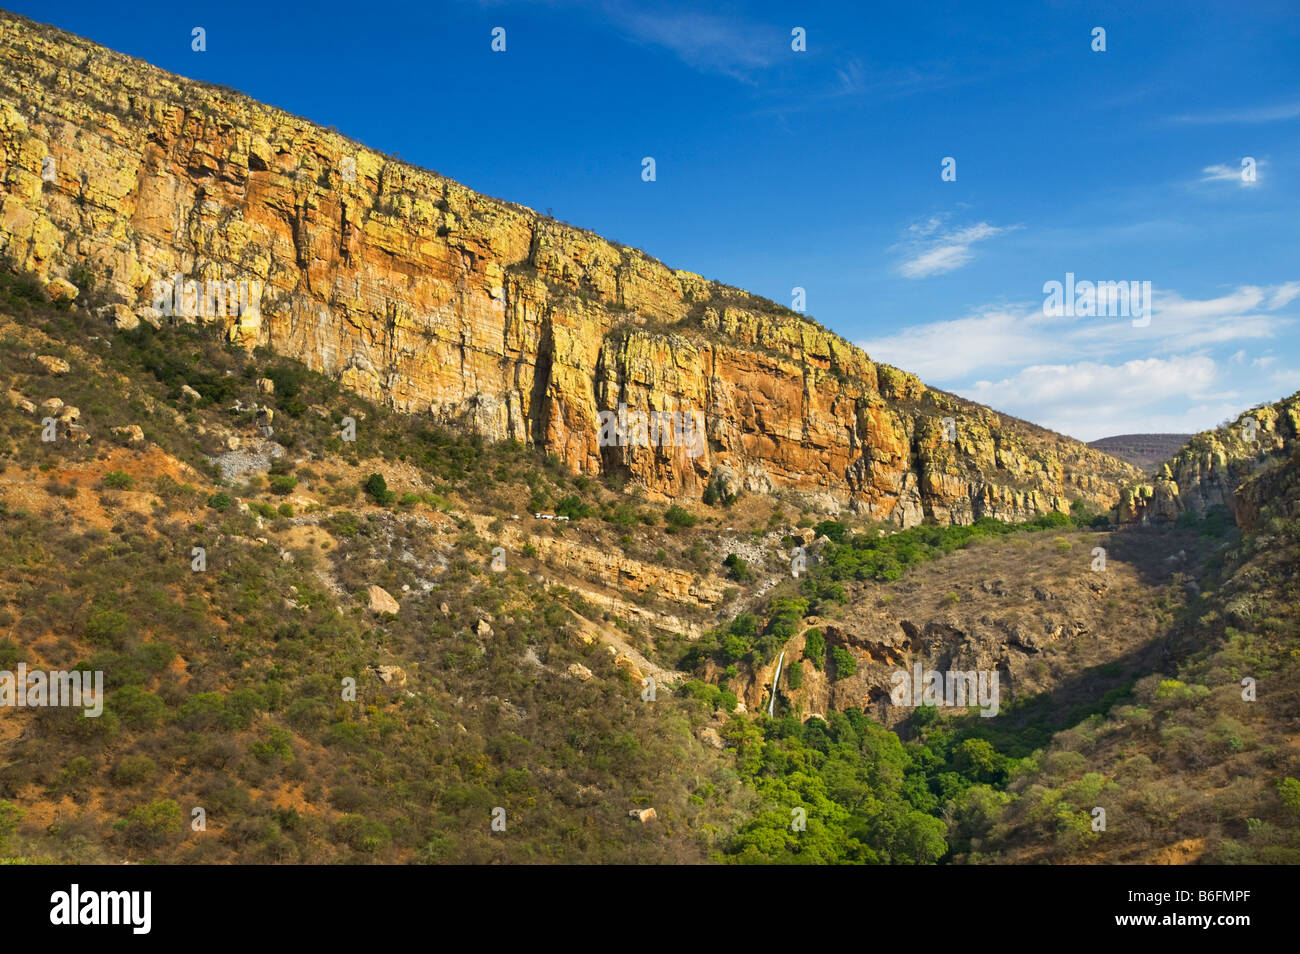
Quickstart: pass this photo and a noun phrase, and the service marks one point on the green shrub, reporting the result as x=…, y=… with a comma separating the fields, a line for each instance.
x=220, y=501
x=573, y=508
x=814, y=648
x=1288, y=790
x=118, y=480
x=136, y=707
x=676, y=516
x=377, y=488
x=134, y=770
x=107, y=626
x=150, y=826
x=362, y=834
x=845, y=664
x=740, y=571
x=10, y=816
x=282, y=485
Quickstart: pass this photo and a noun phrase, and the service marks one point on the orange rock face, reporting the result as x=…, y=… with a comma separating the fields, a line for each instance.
x=418, y=293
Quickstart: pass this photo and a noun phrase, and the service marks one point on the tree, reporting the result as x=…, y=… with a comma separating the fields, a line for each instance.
x=377, y=488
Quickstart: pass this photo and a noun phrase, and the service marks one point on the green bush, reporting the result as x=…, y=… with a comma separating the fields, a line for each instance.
x=1288, y=790
x=10, y=816
x=794, y=675
x=377, y=488
x=362, y=834
x=220, y=501
x=118, y=480
x=134, y=770
x=136, y=707
x=572, y=507
x=107, y=626
x=845, y=664
x=676, y=516
x=814, y=648
x=283, y=485
x=740, y=571
x=151, y=826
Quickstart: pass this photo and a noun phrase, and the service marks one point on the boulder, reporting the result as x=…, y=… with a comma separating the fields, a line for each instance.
x=76, y=433
x=52, y=365
x=709, y=736
x=381, y=601
x=643, y=815
x=123, y=318
x=190, y=393
x=265, y=386
x=393, y=676
x=60, y=289
x=579, y=671
x=483, y=629
x=150, y=316
x=132, y=433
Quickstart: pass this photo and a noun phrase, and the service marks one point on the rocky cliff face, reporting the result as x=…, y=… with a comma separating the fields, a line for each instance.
x=417, y=292
x=1211, y=470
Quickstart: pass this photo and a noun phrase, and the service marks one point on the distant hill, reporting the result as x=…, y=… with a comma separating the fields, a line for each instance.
x=1146, y=451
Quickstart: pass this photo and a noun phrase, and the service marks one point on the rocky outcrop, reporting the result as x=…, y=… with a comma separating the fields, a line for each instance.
x=1211, y=469
x=202, y=205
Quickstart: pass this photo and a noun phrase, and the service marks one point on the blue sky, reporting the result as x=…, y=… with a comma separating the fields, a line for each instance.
x=821, y=169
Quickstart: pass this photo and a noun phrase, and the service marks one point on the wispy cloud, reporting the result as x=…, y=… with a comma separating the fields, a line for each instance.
x=1226, y=173
x=933, y=252
x=728, y=45
x=997, y=338
x=1250, y=114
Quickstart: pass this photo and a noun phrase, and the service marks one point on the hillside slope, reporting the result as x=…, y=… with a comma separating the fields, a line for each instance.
x=1144, y=451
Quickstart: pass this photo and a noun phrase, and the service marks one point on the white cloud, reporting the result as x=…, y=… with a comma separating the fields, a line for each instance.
x=1283, y=295
x=1088, y=400
x=948, y=251
x=993, y=339
x=1090, y=377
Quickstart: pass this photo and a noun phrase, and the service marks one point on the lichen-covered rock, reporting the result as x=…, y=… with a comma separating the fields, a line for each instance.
x=60, y=289
x=1211, y=469
x=52, y=365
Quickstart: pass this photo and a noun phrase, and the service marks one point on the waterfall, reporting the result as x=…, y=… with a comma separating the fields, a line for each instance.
x=772, y=704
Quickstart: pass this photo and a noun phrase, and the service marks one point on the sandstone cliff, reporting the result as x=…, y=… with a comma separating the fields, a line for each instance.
x=1212, y=468
x=417, y=292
